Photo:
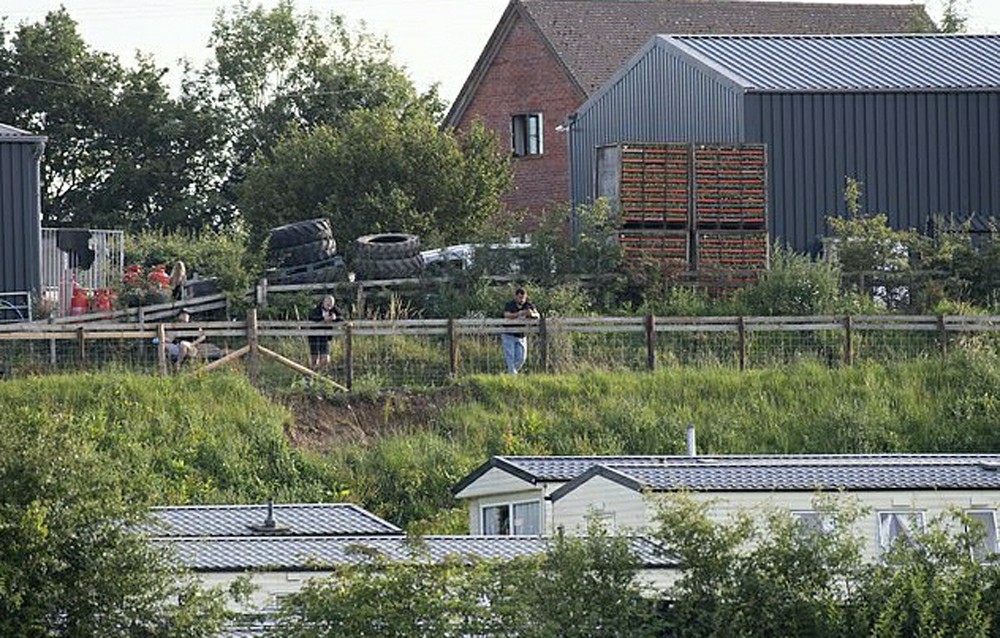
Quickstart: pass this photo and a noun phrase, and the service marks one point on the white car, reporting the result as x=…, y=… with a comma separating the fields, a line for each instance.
x=462, y=256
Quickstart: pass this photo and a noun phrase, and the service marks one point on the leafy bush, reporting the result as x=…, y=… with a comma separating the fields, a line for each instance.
x=794, y=285
x=210, y=253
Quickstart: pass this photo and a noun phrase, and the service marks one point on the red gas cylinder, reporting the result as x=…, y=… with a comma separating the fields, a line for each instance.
x=103, y=299
x=79, y=303
x=158, y=275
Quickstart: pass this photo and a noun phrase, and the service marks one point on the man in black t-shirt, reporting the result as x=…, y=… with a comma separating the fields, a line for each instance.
x=319, y=345
x=515, y=344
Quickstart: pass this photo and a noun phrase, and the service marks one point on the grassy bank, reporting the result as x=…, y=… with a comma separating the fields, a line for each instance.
x=925, y=406
x=217, y=439
x=183, y=440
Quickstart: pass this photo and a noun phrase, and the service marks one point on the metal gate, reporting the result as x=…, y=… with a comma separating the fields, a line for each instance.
x=93, y=259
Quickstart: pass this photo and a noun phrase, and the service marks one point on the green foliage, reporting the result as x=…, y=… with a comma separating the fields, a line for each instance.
x=179, y=441
x=954, y=16
x=69, y=564
x=121, y=153
x=793, y=286
x=581, y=588
x=770, y=575
x=379, y=172
x=222, y=254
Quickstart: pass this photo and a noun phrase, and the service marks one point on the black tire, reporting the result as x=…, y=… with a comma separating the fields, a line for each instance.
x=390, y=268
x=309, y=231
x=306, y=253
x=387, y=246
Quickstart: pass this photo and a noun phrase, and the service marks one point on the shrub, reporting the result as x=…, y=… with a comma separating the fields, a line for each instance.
x=794, y=285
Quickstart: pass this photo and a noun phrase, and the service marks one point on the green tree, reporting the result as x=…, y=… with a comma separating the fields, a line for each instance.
x=954, y=16
x=70, y=562
x=379, y=172
x=760, y=576
x=121, y=152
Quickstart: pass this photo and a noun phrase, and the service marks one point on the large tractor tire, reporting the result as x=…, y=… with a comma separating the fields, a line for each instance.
x=390, y=268
x=306, y=253
x=297, y=233
x=387, y=246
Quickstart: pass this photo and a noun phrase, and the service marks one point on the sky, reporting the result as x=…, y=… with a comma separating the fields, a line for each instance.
x=437, y=41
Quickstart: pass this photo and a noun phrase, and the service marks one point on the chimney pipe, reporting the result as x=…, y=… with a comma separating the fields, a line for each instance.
x=692, y=450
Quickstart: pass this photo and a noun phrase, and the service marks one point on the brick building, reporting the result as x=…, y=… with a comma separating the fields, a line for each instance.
x=546, y=57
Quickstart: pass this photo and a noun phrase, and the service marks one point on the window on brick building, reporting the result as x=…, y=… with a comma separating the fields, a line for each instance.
x=526, y=134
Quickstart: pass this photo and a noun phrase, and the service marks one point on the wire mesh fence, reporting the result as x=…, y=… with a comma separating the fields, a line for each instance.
x=412, y=353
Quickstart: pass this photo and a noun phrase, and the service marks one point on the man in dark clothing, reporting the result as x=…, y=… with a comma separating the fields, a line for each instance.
x=319, y=345
x=515, y=344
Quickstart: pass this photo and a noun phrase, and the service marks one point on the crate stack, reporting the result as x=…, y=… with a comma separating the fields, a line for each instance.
x=729, y=212
x=654, y=194
x=697, y=209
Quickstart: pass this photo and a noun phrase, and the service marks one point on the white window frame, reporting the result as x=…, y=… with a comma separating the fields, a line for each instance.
x=511, y=505
x=992, y=513
x=826, y=523
x=909, y=515
x=522, y=142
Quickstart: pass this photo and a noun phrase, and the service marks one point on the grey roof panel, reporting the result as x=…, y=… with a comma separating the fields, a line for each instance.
x=10, y=133
x=851, y=62
x=824, y=474
x=565, y=468
x=594, y=38
x=284, y=553
x=312, y=519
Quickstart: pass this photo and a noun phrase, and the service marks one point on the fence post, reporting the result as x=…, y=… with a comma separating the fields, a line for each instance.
x=52, y=345
x=161, y=348
x=942, y=335
x=349, y=356
x=543, y=342
x=741, y=331
x=81, y=340
x=452, y=348
x=262, y=293
x=848, y=341
x=650, y=324
x=253, y=356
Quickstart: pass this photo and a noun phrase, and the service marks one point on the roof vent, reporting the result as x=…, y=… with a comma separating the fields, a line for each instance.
x=692, y=450
x=269, y=526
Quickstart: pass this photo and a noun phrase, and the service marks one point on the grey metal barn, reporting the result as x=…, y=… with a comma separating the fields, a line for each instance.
x=20, y=219
x=916, y=118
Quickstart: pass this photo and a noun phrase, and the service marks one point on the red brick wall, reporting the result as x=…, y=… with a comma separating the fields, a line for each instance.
x=525, y=78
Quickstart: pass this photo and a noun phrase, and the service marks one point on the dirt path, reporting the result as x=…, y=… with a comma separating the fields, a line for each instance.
x=321, y=423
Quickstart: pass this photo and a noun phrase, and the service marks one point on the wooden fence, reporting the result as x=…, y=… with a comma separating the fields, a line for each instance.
x=57, y=344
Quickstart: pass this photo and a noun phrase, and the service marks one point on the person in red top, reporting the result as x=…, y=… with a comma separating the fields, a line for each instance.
x=515, y=344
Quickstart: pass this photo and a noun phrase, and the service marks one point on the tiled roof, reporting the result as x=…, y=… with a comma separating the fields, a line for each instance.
x=855, y=62
x=284, y=553
x=557, y=469
x=803, y=474
x=312, y=519
x=594, y=38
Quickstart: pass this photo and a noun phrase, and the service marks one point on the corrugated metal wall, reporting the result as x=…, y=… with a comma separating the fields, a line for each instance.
x=918, y=154
x=663, y=98
x=20, y=216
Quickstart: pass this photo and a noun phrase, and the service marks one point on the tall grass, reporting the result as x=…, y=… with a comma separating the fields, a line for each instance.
x=183, y=440
x=923, y=406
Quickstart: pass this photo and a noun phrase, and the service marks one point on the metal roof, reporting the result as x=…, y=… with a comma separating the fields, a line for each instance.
x=804, y=474
x=554, y=469
x=311, y=519
x=849, y=62
x=10, y=133
x=317, y=554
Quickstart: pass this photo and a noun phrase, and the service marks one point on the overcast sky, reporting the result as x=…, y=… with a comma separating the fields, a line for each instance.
x=438, y=41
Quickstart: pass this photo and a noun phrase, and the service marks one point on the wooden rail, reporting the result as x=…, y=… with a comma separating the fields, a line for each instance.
x=453, y=331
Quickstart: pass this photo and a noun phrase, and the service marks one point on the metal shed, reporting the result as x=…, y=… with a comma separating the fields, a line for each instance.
x=916, y=118
x=20, y=219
